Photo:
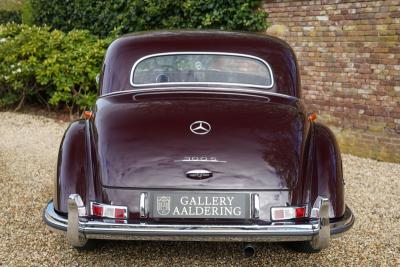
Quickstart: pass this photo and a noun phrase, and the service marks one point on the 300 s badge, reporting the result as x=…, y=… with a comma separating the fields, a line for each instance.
x=200, y=159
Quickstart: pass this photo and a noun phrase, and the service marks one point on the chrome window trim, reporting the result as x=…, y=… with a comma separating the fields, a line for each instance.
x=203, y=83
x=198, y=89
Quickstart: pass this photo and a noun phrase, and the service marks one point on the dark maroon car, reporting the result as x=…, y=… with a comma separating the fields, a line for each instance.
x=199, y=135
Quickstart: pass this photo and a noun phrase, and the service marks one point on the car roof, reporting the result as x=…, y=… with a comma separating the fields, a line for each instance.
x=128, y=49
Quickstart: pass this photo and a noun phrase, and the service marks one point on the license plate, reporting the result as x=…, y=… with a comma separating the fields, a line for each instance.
x=200, y=205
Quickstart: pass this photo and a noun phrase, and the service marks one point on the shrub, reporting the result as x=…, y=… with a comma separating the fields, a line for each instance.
x=10, y=16
x=48, y=66
x=122, y=16
x=27, y=13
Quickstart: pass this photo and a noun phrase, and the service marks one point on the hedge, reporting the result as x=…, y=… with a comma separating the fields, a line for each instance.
x=49, y=66
x=38, y=64
x=105, y=18
x=10, y=16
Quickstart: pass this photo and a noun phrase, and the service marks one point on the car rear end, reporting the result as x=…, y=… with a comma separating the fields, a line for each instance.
x=208, y=165
x=206, y=145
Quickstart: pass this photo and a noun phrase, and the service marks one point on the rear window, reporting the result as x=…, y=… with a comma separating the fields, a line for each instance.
x=201, y=68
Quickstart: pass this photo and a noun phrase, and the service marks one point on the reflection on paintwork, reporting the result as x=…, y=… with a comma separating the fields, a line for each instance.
x=139, y=144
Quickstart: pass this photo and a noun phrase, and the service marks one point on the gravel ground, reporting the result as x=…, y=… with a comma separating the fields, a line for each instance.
x=28, y=152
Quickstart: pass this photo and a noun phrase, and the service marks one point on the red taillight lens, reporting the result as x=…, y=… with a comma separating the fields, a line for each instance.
x=287, y=213
x=108, y=211
x=120, y=213
x=300, y=212
x=97, y=210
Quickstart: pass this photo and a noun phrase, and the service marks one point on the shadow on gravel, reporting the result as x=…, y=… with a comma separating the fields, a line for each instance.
x=200, y=252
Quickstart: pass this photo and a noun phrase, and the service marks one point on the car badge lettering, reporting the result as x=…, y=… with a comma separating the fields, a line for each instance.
x=163, y=205
x=200, y=127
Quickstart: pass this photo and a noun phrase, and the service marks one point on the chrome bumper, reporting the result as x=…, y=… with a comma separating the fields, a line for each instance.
x=79, y=230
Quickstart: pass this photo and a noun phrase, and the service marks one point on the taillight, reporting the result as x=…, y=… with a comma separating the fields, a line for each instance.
x=97, y=210
x=300, y=212
x=108, y=211
x=287, y=213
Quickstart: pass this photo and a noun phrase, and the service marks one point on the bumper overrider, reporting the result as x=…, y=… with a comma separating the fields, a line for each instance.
x=318, y=230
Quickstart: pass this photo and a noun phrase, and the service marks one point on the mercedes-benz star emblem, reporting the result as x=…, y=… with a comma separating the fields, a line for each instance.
x=200, y=127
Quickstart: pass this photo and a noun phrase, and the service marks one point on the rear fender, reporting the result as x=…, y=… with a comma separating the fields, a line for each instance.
x=74, y=167
x=327, y=173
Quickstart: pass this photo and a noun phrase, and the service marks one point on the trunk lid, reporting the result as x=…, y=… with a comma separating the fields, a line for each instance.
x=145, y=141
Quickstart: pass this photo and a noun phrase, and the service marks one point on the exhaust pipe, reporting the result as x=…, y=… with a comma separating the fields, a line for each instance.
x=249, y=250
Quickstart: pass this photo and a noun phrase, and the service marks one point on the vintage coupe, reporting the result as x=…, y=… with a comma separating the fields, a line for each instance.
x=199, y=135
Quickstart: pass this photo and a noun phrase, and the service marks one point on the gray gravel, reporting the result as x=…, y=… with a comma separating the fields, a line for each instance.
x=28, y=152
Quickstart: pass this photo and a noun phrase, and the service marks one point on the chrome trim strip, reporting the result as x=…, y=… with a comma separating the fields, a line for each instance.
x=256, y=205
x=146, y=231
x=183, y=88
x=189, y=160
x=200, y=92
x=143, y=205
x=173, y=188
x=231, y=237
x=202, y=83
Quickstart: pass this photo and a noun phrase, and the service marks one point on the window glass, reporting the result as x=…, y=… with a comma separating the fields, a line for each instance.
x=202, y=68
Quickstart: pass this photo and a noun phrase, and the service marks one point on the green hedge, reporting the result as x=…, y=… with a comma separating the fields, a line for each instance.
x=57, y=69
x=105, y=18
x=48, y=66
x=10, y=16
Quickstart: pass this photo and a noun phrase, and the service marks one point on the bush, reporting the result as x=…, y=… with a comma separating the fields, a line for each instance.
x=122, y=16
x=48, y=66
x=10, y=16
x=27, y=13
